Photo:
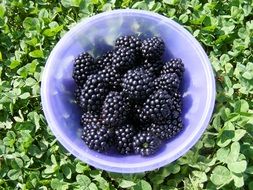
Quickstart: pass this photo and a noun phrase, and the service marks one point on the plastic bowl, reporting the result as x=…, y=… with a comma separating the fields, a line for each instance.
x=96, y=35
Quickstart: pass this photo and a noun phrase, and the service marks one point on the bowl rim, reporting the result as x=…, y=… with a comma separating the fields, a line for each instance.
x=135, y=168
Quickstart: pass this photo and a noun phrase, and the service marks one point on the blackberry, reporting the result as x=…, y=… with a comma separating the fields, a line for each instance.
x=138, y=84
x=163, y=131
x=97, y=137
x=146, y=143
x=157, y=108
x=124, y=138
x=152, y=48
x=111, y=77
x=123, y=58
x=105, y=60
x=169, y=82
x=154, y=66
x=93, y=94
x=176, y=125
x=132, y=42
x=77, y=94
x=115, y=109
x=174, y=66
x=83, y=67
x=176, y=108
x=88, y=119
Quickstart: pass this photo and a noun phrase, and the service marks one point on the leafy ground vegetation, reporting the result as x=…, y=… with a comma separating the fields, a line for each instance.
x=31, y=158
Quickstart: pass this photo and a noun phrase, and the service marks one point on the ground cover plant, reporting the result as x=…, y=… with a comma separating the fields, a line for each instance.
x=30, y=156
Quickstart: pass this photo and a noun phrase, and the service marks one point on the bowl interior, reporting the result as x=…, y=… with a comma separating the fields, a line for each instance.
x=97, y=35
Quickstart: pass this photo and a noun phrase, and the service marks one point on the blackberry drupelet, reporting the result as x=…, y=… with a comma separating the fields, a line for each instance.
x=83, y=67
x=154, y=66
x=138, y=84
x=123, y=58
x=146, y=143
x=169, y=82
x=111, y=77
x=88, y=119
x=97, y=137
x=93, y=94
x=132, y=42
x=115, y=109
x=124, y=138
x=152, y=48
x=105, y=60
x=77, y=94
x=157, y=108
x=174, y=66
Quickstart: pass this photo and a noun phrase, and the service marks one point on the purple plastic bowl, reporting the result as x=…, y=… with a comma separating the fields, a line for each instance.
x=96, y=35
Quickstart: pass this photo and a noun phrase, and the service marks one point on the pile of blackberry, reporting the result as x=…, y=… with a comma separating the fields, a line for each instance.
x=130, y=97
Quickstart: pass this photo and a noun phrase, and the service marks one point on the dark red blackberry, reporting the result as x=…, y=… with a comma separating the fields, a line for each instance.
x=115, y=109
x=169, y=82
x=174, y=66
x=83, y=67
x=97, y=137
x=124, y=138
x=152, y=48
x=132, y=42
x=157, y=108
x=88, y=119
x=146, y=143
x=123, y=58
x=154, y=66
x=77, y=94
x=105, y=60
x=138, y=84
x=111, y=77
x=93, y=94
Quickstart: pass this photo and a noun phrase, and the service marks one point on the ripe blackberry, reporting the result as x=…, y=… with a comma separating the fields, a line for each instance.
x=163, y=131
x=154, y=66
x=93, y=94
x=124, y=138
x=88, y=119
x=97, y=137
x=176, y=108
x=83, y=67
x=157, y=108
x=169, y=82
x=132, y=42
x=123, y=58
x=77, y=94
x=174, y=66
x=146, y=143
x=138, y=84
x=115, y=109
x=152, y=48
x=176, y=125
x=111, y=77
x=105, y=60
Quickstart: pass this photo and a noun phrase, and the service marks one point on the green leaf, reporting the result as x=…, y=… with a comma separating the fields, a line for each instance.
x=14, y=174
x=239, y=133
x=222, y=154
x=37, y=54
x=249, y=170
x=234, y=152
x=238, y=180
x=25, y=95
x=83, y=180
x=67, y=171
x=237, y=167
x=126, y=184
x=92, y=186
x=31, y=23
x=70, y=3
x=220, y=175
x=142, y=185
